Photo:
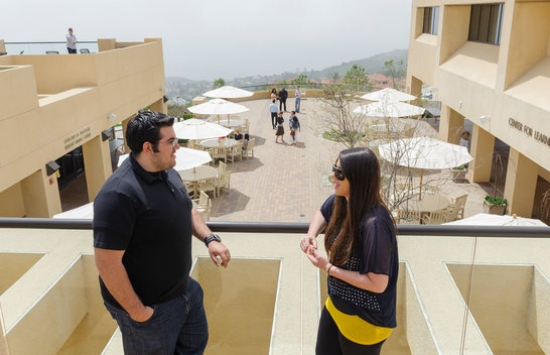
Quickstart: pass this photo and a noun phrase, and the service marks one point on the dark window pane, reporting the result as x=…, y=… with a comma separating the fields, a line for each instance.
x=427, y=24
x=485, y=21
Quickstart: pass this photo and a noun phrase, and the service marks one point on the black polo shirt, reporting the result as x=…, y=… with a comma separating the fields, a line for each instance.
x=148, y=215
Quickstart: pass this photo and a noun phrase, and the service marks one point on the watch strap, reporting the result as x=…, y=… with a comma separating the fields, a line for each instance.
x=210, y=238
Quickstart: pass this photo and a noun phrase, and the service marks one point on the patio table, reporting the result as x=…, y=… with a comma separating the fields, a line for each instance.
x=231, y=123
x=197, y=174
x=428, y=203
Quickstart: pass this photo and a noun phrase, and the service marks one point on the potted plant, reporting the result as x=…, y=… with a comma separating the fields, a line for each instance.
x=495, y=205
x=459, y=173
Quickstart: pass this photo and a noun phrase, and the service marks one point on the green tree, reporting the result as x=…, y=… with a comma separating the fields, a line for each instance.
x=356, y=79
x=340, y=123
x=395, y=70
x=218, y=83
x=302, y=79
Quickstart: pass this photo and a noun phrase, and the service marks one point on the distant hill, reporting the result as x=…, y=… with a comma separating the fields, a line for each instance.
x=374, y=64
x=187, y=89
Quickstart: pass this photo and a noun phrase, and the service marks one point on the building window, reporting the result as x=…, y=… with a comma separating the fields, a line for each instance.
x=431, y=20
x=485, y=23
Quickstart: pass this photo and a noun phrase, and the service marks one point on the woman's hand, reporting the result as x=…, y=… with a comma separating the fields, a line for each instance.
x=308, y=242
x=317, y=259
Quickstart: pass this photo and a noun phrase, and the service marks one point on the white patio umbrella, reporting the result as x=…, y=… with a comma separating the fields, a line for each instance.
x=388, y=94
x=485, y=219
x=194, y=128
x=389, y=109
x=83, y=212
x=424, y=153
x=186, y=158
x=228, y=92
x=218, y=107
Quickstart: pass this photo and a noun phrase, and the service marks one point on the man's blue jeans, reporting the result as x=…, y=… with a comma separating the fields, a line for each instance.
x=178, y=326
x=297, y=105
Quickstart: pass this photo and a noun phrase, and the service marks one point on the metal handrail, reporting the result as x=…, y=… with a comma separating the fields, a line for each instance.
x=48, y=42
x=300, y=227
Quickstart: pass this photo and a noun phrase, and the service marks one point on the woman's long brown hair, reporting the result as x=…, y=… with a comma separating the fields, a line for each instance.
x=362, y=169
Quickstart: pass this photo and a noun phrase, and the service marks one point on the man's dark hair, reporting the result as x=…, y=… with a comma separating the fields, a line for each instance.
x=145, y=127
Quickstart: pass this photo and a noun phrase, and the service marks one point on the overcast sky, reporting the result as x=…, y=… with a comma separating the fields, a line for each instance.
x=209, y=39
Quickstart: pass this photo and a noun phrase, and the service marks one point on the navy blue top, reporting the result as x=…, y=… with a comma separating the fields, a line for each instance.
x=377, y=253
x=148, y=215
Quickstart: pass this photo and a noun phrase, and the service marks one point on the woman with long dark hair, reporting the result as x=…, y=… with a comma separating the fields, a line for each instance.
x=362, y=263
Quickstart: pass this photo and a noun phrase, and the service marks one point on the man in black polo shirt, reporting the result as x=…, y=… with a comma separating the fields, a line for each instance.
x=143, y=222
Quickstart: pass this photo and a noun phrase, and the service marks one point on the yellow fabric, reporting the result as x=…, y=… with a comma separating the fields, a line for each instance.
x=356, y=329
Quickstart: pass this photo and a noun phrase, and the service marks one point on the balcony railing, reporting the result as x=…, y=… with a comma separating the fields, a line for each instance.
x=43, y=47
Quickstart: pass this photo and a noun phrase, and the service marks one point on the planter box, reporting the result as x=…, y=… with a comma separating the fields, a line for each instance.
x=494, y=209
x=459, y=175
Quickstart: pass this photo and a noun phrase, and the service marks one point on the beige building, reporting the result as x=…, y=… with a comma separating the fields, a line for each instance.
x=53, y=104
x=489, y=62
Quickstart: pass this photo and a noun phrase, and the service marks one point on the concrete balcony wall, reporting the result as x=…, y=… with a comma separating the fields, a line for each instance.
x=272, y=296
x=14, y=266
x=69, y=318
x=246, y=298
x=503, y=300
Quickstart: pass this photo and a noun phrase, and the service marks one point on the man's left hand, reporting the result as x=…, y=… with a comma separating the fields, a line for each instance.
x=219, y=253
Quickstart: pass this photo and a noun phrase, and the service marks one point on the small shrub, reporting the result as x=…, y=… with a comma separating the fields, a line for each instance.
x=495, y=200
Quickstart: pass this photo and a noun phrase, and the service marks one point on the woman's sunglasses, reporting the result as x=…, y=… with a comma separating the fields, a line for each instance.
x=338, y=173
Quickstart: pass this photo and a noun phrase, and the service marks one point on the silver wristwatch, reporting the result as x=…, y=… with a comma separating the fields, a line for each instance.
x=210, y=238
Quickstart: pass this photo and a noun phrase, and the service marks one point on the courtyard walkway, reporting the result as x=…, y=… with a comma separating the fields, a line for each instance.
x=287, y=183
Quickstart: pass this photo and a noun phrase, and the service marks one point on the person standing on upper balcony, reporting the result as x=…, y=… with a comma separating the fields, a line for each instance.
x=71, y=42
x=142, y=228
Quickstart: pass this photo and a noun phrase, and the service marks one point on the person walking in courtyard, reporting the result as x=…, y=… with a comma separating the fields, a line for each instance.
x=71, y=42
x=283, y=95
x=298, y=97
x=280, y=129
x=142, y=228
x=274, y=95
x=294, y=125
x=274, y=111
x=363, y=262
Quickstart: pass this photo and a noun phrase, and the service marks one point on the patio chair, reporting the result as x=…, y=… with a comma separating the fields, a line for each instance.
x=438, y=217
x=209, y=185
x=236, y=152
x=459, y=203
x=52, y=52
x=84, y=51
x=222, y=168
x=190, y=187
x=224, y=182
x=246, y=126
x=249, y=152
x=408, y=216
x=218, y=154
x=203, y=205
